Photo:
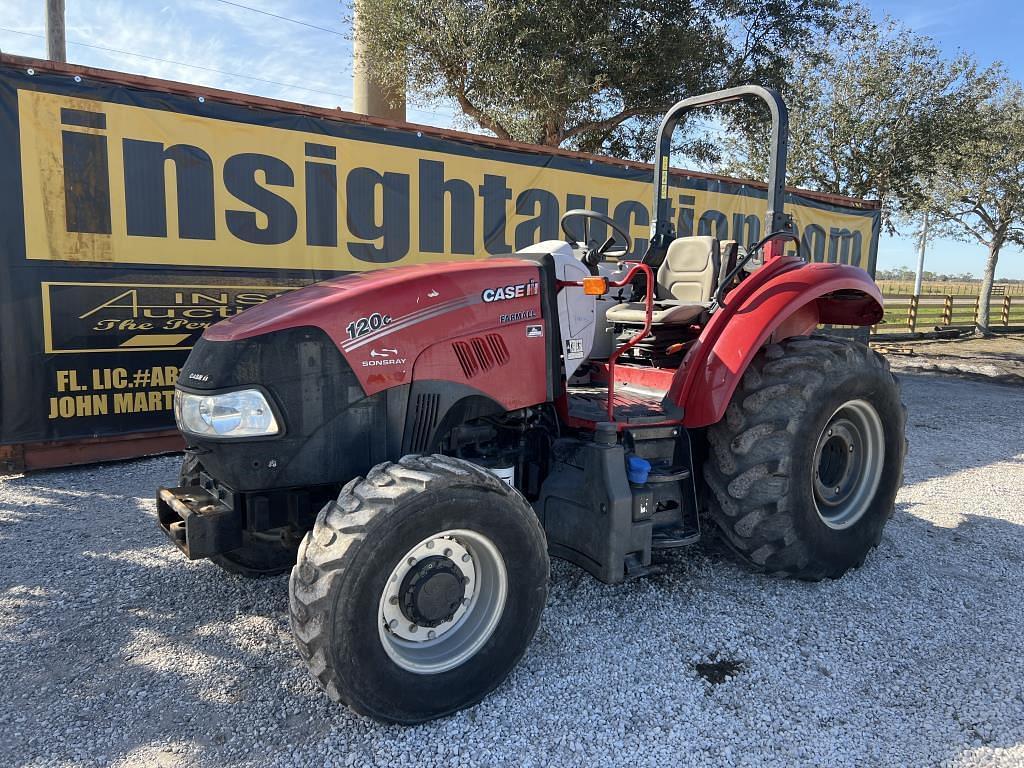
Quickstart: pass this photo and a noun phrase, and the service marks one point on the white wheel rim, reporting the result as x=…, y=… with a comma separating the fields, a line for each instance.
x=847, y=465
x=430, y=650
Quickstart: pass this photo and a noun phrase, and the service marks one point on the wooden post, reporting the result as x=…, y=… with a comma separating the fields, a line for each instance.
x=56, y=47
x=1006, y=310
x=947, y=310
x=912, y=313
x=977, y=308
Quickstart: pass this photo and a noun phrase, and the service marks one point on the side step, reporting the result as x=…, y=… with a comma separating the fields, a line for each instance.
x=673, y=538
x=596, y=518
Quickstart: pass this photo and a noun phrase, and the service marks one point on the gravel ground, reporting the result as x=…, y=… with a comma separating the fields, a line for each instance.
x=116, y=651
x=999, y=358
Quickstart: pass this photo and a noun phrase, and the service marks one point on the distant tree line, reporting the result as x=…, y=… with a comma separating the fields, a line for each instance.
x=906, y=274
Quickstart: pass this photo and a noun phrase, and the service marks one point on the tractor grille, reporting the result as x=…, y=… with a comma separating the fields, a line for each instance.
x=480, y=354
x=424, y=421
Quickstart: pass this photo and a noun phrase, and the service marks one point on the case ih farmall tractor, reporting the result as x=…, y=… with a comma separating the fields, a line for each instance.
x=413, y=442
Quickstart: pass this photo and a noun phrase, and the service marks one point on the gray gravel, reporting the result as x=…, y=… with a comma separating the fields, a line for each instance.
x=116, y=651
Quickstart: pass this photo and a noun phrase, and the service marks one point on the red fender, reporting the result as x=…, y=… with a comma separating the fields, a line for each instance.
x=784, y=298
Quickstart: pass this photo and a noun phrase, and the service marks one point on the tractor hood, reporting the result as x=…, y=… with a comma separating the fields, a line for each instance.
x=380, y=320
x=336, y=361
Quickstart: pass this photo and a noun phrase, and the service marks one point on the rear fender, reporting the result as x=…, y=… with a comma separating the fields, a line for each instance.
x=783, y=299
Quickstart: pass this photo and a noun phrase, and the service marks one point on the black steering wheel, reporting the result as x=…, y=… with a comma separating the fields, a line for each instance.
x=594, y=252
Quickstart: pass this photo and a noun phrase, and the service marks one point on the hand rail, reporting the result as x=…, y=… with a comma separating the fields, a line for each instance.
x=648, y=311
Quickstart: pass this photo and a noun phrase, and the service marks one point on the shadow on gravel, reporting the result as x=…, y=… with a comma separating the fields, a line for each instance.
x=717, y=671
x=111, y=641
x=114, y=650
x=954, y=425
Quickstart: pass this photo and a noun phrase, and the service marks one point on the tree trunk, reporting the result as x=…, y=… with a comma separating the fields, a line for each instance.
x=987, y=280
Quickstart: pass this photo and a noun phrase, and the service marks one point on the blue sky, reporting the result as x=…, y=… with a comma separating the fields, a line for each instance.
x=990, y=29
x=255, y=53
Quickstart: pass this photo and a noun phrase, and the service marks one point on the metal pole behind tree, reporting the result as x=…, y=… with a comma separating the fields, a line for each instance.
x=369, y=97
x=920, y=256
x=56, y=47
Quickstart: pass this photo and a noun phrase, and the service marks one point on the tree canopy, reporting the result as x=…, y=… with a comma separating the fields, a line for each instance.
x=977, y=194
x=871, y=115
x=593, y=75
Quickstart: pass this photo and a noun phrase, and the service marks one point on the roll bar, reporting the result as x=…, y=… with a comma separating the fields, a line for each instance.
x=776, y=220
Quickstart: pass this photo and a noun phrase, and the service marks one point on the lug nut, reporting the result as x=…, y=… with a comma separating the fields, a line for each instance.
x=447, y=553
x=393, y=600
x=465, y=558
x=851, y=449
x=430, y=545
x=411, y=561
x=837, y=490
x=431, y=635
x=393, y=623
x=830, y=433
x=413, y=627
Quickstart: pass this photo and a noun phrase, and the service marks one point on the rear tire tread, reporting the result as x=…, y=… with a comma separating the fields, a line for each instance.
x=748, y=470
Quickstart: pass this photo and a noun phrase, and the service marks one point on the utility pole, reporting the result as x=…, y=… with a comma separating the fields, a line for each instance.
x=369, y=97
x=56, y=47
x=922, y=244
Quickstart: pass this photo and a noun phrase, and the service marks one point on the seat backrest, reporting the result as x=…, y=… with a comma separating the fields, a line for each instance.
x=729, y=250
x=690, y=270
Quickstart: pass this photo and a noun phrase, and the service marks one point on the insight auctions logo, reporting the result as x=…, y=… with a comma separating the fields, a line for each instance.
x=136, y=184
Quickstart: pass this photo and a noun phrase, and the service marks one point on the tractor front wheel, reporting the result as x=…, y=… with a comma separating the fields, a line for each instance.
x=805, y=466
x=419, y=589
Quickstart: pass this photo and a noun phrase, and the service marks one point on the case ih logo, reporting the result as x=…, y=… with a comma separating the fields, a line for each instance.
x=506, y=292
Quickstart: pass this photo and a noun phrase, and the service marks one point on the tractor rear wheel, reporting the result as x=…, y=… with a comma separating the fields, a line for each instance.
x=419, y=589
x=263, y=553
x=804, y=467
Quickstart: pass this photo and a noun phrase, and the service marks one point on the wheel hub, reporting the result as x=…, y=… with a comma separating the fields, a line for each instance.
x=839, y=463
x=432, y=591
x=848, y=462
x=429, y=590
x=442, y=601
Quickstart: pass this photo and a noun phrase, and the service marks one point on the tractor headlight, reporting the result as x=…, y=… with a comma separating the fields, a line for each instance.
x=245, y=413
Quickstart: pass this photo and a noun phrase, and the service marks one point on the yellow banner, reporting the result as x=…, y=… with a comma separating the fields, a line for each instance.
x=106, y=182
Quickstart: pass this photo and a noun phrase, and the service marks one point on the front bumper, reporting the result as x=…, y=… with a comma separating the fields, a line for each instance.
x=201, y=521
x=209, y=518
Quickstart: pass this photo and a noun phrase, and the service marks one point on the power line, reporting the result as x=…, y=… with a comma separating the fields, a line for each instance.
x=283, y=18
x=185, y=64
x=219, y=71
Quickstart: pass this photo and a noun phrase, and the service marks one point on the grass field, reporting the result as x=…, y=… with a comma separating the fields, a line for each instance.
x=948, y=305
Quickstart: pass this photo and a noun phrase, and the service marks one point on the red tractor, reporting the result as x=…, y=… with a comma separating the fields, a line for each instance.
x=413, y=442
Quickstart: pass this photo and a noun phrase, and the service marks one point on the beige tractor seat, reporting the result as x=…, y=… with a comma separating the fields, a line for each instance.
x=686, y=281
x=663, y=312
x=729, y=251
